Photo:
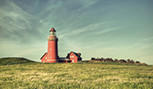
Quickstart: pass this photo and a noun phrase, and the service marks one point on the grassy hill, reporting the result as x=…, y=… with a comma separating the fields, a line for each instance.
x=82, y=75
x=14, y=60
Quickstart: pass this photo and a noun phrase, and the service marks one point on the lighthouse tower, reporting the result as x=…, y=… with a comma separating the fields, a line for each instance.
x=52, y=47
x=52, y=54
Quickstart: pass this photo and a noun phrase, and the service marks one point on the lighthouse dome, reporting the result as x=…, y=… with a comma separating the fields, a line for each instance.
x=52, y=30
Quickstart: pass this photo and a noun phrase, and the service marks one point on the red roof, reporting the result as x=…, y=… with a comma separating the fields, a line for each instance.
x=52, y=29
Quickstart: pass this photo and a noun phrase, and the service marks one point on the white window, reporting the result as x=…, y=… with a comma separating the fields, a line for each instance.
x=72, y=60
x=71, y=56
x=53, y=33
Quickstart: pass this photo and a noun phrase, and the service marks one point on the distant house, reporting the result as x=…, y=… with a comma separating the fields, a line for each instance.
x=74, y=57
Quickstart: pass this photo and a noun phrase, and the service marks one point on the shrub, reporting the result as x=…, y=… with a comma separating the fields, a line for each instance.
x=122, y=61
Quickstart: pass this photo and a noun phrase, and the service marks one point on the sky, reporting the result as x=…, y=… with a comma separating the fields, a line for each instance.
x=121, y=29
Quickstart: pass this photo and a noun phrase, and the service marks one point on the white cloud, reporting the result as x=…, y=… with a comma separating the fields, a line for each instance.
x=12, y=18
x=147, y=39
x=14, y=49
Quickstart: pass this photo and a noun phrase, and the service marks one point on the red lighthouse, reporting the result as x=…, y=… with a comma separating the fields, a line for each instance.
x=52, y=55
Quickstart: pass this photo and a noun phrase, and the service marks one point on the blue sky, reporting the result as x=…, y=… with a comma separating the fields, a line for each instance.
x=97, y=28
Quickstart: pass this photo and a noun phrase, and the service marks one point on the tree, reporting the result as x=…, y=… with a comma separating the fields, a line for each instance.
x=122, y=61
x=137, y=62
x=116, y=60
x=92, y=58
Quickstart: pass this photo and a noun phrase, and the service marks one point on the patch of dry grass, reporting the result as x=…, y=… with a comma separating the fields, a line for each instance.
x=79, y=75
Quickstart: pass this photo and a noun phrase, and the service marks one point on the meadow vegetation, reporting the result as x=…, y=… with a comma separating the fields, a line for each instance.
x=128, y=61
x=84, y=75
x=14, y=60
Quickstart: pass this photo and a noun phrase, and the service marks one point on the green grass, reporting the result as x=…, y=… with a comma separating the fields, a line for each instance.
x=79, y=75
x=14, y=60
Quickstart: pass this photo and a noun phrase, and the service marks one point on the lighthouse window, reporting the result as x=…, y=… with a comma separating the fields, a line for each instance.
x=52, y=33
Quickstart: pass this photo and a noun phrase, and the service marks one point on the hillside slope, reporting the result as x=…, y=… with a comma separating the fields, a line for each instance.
x=14, y=60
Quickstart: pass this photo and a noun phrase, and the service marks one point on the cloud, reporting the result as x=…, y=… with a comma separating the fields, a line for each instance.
x=18, y=25
x=15, y=49
x=147, y=39
x=19, y=34
x=12, y=19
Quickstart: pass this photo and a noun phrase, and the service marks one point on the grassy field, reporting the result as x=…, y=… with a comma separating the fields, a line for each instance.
x=79, y=75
